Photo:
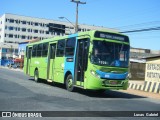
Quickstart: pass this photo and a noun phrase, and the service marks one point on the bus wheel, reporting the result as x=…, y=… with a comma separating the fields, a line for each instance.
x=69, y=83
x=36, y=76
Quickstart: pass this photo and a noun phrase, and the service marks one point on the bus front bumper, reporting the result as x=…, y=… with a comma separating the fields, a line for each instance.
x=95, y=83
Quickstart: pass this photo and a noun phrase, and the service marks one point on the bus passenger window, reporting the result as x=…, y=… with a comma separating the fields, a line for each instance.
x=34, y=51
x=45, y=50
x=39, y=50
x=60, y=48
x=70, y=45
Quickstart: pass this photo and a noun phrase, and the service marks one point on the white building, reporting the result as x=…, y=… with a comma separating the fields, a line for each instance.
x=8, y=51
x=17, y=28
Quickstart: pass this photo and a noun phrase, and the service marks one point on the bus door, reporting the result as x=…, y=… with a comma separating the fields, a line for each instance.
x=81, y=59
x=29, y=50
x=51, y=59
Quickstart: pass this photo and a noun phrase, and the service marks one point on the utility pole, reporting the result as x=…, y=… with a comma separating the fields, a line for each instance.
x=77, y=2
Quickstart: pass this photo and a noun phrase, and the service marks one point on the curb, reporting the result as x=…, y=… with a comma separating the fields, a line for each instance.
x=14, y=69
x=148, y=86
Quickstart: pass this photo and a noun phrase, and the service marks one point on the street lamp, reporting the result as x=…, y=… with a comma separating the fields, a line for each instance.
x=77, y=2
x=67, y=20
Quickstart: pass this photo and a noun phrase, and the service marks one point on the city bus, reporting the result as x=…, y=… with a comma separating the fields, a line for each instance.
x=93, y=60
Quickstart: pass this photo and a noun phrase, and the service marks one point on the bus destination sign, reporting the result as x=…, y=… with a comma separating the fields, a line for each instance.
x=111, y=36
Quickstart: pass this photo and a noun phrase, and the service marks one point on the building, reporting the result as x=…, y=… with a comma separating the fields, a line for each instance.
x=139, y=53
x=8, y=52
x=17, y=28
x=138, y=62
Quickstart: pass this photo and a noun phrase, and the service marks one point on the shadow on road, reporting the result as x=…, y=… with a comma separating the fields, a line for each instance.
x=31, y=79
x=95, y=94
x=107, y=94
x=58, y=85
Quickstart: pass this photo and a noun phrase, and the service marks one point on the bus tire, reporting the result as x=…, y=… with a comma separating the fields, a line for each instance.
x=69, y=83
x=36, y=76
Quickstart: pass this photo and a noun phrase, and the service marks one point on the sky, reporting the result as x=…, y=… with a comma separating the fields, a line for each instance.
x=123, y=15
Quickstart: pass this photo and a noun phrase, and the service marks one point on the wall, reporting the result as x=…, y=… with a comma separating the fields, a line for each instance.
x=137, y=71
x=153, y=70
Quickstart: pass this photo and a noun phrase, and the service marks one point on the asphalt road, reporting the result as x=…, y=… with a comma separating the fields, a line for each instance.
x=19, y=92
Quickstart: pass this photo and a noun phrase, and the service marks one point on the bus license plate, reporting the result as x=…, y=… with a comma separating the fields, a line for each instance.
x=113, y=82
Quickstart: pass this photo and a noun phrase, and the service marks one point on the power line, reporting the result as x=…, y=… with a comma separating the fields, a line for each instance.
x=141, y=30
x=155, y=32
x=139, y=24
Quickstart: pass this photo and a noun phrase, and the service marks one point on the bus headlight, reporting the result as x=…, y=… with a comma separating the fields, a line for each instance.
x=95, y=74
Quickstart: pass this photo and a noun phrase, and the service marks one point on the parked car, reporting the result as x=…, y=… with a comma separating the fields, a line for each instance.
x=13, y=65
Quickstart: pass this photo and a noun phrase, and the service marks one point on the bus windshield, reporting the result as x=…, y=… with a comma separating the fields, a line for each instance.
x=110, y=54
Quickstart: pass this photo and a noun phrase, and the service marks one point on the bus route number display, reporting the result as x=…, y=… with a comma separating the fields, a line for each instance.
x=111, y=36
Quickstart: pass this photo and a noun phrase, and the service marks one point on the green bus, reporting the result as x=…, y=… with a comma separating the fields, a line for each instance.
x=96, y=60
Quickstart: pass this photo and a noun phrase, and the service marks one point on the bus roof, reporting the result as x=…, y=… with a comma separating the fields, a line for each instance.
x=90, y=33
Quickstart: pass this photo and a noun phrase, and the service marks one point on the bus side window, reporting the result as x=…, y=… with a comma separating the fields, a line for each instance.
x=70, y=46
x=60, y=48
x=39, y=50
x=45, y=50
x=34, y=51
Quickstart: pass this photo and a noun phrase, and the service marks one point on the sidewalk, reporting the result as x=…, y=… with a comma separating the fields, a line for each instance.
x=142, y=93
x=14, y=69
